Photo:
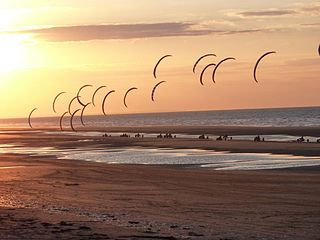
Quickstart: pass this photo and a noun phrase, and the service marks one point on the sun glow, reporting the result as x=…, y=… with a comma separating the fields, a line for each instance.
x=11, y=52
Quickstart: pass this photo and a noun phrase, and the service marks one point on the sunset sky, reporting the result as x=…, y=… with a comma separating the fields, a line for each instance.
x=53, y=46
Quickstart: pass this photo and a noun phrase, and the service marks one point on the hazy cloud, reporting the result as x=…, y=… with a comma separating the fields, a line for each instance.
x=244, y=31
x=116, y=31
x=312, y=9
x=266, y=13
x=126, y=31
x=310, y=25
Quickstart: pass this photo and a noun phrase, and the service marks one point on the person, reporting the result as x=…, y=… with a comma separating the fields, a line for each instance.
x=202, y=136
x=137, y=135
x=219, y=138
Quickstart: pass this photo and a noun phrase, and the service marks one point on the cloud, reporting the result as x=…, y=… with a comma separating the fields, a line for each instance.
x=245, y=31
x=266, y=13
x=312, y=9
x=310, y=25
x=128, y=31
x=116, y=31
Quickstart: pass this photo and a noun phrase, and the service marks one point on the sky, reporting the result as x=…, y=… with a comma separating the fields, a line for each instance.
x=53, y=46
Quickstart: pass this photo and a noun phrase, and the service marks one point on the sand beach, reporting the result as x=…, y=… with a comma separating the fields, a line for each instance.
x=48, y=198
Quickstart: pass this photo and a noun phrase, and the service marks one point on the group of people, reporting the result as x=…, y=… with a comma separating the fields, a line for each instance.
x=202, y=136
x=224, y=138
x=138, y=135
x=167, y=135
x=258, y=139
x=302, y=139
x=125, y=135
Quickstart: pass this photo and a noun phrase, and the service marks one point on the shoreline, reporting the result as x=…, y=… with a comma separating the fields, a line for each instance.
x=63, y=141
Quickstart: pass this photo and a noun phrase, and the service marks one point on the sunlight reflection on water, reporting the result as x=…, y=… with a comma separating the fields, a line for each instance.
x=202, y=158
x=166, y=156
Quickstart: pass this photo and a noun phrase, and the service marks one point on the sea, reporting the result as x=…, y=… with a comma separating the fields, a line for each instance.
x=284, y=117
x=276, y=117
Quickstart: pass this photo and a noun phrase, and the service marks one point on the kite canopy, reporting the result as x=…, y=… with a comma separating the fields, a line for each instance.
x=215, y=69
x=203, y=71
x=78, y=94
x=257, y=64
x=154, y=89
x=71, y=119
x=82, y=112
x=55, y=99
x=29, y=118
x=70, y=103
x=156, y=66
x=125, y=96
x=94, y=94
x=199, y=59
x=61, y=118
x=104, y=101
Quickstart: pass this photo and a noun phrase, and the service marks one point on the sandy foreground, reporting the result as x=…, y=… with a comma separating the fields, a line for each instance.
x=46, y=198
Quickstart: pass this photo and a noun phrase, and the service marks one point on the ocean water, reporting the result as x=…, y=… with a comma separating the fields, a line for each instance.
x=296, y=117
x=215, y=160
x=308, y=116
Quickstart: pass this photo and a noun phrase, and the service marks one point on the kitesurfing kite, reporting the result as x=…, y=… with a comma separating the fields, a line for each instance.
x=203, y=71
x=156, y=66
x=81, y=116
x=61, y=118
x=29, y=118
x=154, y=89
x=95, y=92
x=215, y=69
x=71, y=119
x=125, y=96
x=257, y=63
x=78, y=94
x=199, y=59
x=104, y=101
x=55, y=99
x=70, y=103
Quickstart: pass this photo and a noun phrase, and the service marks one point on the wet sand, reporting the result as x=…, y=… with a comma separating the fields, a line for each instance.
x=237, y=146
x=46, y=198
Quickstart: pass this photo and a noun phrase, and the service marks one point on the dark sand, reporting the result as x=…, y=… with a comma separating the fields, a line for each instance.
x=46, y=198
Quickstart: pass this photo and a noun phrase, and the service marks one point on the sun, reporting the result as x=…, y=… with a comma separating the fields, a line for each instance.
x=11, y=52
